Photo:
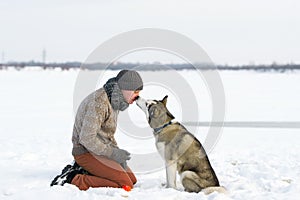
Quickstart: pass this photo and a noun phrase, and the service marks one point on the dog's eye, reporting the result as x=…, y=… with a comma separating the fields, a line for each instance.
x=152, y=113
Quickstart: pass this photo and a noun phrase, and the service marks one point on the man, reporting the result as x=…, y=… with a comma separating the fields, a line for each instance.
x=98, y=160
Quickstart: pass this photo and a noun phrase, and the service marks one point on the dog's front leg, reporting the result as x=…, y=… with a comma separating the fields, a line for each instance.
x=171, y=168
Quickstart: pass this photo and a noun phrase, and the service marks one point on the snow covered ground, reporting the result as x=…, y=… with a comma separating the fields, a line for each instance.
x=36, y=119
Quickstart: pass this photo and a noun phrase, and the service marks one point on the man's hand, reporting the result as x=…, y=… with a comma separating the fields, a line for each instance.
x=120, y=156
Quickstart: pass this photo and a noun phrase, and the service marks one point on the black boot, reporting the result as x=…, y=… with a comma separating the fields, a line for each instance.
x=80, y=169
x=66, y=176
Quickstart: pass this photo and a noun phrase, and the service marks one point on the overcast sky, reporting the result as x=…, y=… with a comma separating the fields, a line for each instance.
x=230, y=31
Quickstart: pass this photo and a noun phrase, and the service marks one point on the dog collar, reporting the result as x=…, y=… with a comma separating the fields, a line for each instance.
x=157, y=130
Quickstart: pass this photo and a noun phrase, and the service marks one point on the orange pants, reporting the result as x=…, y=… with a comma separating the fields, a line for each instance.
x=106, y=173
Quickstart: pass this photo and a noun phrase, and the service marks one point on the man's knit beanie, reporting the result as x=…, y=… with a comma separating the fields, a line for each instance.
x=129, y=80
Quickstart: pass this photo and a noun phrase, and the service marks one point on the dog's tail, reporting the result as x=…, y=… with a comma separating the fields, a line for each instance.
x=219, y=189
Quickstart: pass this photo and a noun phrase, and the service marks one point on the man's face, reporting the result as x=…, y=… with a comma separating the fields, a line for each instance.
x=130, y=96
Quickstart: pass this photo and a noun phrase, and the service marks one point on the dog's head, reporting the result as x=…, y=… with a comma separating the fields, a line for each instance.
x=156, y=111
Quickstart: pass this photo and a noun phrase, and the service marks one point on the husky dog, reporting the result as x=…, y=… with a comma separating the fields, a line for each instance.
x=181, y=151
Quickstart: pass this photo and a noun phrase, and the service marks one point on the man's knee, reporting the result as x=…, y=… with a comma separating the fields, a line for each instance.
x=126, y=181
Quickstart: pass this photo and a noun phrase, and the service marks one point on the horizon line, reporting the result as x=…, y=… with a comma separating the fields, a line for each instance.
x=274, y=63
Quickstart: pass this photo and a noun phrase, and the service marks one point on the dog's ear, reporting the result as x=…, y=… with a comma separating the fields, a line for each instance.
x=164, y=100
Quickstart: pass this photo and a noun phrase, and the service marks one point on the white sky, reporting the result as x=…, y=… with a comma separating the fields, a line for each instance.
x=230, y=31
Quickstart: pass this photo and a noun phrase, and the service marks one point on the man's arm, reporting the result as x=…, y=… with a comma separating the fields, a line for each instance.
x=91, y=123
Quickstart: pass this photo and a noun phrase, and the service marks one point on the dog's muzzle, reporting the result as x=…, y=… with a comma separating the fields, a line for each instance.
x=140, y=102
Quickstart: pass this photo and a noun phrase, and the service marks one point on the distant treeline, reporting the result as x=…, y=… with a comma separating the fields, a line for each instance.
x=147, y=67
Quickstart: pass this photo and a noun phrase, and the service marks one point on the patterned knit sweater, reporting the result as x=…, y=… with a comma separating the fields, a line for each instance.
x=95, y=125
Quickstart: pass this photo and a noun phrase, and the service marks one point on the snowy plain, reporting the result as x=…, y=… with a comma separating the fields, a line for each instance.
x=36, y=119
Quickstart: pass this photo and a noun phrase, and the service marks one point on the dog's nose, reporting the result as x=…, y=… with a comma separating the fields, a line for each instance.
x=136, y=98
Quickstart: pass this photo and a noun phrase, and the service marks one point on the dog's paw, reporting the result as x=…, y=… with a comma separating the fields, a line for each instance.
x=165, y=185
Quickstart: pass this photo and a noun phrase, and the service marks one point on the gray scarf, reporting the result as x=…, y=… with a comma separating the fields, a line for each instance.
x=115, y=95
